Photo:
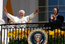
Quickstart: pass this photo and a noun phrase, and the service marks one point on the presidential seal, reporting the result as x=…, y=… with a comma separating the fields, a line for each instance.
x=37, y=36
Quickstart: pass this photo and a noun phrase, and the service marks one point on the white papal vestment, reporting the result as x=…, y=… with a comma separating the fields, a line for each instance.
x=26, y=19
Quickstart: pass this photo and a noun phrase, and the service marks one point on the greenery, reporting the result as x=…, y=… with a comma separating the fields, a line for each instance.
x=58, y=40
x=51, y=40
x=17, y=41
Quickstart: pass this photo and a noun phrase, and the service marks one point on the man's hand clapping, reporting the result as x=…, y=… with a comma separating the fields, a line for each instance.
x=53, y=17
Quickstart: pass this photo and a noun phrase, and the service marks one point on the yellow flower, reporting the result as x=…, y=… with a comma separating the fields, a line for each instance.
x=11, y=38
x=59, y=35
x=22, y=37
x=52, y=36
x=51, y=32
x=24, y=34
x=59, y=31
x=14, y=36
x=21, y=32
x=62, y=32
x=10, y=34
x=28, y=31
x=14, y=32
x=56, y=30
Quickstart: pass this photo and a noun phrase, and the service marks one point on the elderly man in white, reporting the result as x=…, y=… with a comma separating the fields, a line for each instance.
x=22, y=19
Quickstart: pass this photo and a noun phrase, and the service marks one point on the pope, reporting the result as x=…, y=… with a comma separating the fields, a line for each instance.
x=22, y=19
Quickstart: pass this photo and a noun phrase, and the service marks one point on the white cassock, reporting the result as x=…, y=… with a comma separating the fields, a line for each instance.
x=26, y=19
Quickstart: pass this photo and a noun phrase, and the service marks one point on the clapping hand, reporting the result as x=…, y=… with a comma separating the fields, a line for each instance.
x=53, y=17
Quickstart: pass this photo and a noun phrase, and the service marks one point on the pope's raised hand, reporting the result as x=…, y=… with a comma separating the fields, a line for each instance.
x=5, y=10
x=37, y=10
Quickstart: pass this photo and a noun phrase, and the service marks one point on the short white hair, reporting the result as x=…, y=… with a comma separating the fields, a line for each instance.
x=22, y=11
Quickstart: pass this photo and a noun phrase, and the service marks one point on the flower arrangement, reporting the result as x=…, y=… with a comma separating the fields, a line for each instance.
x=18, y=33
x=22, y=35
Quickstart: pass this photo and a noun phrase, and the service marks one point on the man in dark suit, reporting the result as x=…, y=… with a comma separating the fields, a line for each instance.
x=55, y=19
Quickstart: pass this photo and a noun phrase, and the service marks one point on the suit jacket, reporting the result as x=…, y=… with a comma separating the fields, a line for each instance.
x=57, y=23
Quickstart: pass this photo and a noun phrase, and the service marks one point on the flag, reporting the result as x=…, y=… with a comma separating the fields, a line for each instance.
x=9, y=7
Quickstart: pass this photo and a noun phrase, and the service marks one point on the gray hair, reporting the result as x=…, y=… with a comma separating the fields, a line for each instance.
x=22, y=11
